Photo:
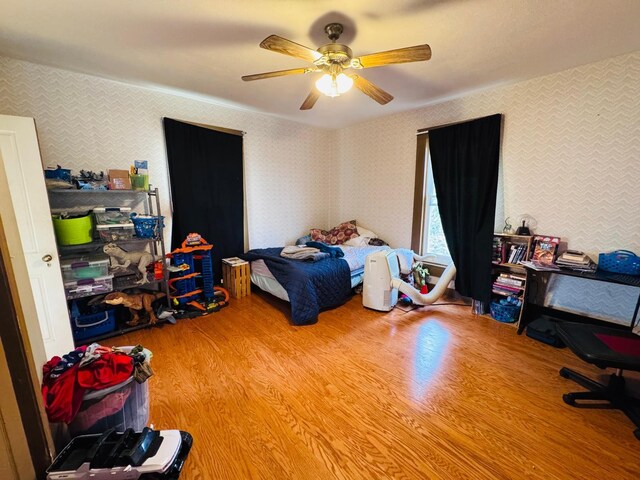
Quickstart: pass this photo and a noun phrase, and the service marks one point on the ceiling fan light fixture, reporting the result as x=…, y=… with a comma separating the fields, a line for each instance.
x=334, y=85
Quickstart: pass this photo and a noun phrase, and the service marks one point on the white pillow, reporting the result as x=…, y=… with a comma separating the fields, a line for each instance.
x=358, y=242
x=363, y=232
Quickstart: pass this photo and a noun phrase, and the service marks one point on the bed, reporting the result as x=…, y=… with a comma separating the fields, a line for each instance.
x=309, y=286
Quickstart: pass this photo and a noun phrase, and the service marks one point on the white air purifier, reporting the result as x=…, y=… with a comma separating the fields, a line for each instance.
x=379, y=269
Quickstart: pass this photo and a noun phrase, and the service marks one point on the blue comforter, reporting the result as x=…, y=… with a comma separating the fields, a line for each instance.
x=310, y=286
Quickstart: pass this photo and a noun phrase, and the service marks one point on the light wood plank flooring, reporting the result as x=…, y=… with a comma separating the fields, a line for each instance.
x=432, y=393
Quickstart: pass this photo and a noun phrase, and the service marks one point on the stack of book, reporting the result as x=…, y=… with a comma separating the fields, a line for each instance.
x=509, y=284
x=517, y=253
x=576, y=261
x=498, y=250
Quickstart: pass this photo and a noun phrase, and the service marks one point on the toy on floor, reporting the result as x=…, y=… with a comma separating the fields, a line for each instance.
x=135, y=303
x=142, y=259
x=123, y=455
x=191, y=283
x=420, y=275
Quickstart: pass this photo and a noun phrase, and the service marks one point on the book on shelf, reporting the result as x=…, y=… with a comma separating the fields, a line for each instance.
x=506, y=294
x=508, y=284
x=541, y=267
x=579, y=263
x=234, y=261
x=544, y=249
x=517, y=253
x=509, y=281
x=507, y=288
x=575, y=256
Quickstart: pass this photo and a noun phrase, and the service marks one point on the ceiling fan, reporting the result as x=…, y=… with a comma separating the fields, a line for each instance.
x=333, y=59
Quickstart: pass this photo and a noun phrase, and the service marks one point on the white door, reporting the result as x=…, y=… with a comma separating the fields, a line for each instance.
x=15, y=460
x=24, y=181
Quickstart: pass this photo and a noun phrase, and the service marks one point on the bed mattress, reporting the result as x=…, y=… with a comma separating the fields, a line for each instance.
x=262, y=277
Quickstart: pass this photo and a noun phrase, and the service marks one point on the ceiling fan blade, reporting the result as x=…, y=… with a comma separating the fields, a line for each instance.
x=279, y=73
x=311, y=100
x=417, y=53
x=368, y=88
x=287, y=47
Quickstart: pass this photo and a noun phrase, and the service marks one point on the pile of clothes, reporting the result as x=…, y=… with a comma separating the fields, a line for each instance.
x=66, y=379
x=311, y=252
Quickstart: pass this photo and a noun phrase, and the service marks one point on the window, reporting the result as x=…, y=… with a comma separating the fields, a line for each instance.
x=433, y=239
x=428, y=237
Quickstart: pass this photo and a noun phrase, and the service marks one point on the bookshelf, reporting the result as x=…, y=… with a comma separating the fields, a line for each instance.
x=507, y=276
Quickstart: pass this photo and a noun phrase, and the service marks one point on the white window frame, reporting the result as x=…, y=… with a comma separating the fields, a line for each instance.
x=429, y=200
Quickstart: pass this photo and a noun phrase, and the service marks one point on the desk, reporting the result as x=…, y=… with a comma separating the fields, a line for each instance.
x=541, y=299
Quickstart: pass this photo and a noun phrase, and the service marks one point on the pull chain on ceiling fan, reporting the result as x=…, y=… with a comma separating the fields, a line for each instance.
x=333, y=59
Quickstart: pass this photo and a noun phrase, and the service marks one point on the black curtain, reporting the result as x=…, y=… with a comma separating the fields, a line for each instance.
x=205, y=170
x=465, y=161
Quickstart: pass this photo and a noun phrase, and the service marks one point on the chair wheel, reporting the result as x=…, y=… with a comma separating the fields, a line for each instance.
x=636, y=432
x=568, y=399
x=564, y=373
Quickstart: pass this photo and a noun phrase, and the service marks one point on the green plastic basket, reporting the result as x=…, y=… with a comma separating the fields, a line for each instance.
x=73, y=231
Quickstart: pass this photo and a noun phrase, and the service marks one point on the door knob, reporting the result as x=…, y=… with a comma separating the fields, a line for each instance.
x=47, y=258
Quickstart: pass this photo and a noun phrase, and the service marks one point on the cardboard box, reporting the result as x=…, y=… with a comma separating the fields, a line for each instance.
x=119, y=180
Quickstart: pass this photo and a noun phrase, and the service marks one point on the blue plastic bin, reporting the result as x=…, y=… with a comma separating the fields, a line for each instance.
x=620, y=261
x=504, y=313
x=93, y=324
x=147, y=226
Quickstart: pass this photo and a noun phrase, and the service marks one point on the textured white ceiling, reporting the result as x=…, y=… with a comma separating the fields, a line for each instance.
x=204, y=47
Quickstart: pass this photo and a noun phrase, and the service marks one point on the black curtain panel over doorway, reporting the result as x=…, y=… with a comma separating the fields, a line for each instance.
x=465, y=161
x=206, y=176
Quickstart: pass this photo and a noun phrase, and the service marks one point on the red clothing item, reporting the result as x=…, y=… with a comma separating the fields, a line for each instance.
x=106, y=371
x=62, y=396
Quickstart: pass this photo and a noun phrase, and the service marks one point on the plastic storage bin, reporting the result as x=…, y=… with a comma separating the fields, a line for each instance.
x=147, y=226
x=112, y=215
x=92, y=325
x=88, y=286
x=88, y=266
x=504, y=313
x=122, y=406
x=73, y=231
x=116, y=232
x=620, y=261
x=58, y=173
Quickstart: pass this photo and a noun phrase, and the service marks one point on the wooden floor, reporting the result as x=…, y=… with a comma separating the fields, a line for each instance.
x=432, y=393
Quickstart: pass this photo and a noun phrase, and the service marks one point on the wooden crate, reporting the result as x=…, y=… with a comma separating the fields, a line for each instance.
x=236, y=279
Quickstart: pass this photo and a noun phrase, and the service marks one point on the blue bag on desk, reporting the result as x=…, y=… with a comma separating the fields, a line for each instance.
x=620, y=261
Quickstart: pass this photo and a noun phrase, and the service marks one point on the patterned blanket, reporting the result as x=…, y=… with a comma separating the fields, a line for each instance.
x=311, y=286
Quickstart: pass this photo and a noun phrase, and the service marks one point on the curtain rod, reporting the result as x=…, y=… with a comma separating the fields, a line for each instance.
x=211, y=127
x=422, y=131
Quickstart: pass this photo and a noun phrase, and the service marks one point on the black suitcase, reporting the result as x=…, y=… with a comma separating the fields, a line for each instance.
x=544, y=330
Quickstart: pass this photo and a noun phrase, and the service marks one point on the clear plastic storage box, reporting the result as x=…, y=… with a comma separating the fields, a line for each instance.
x=122, y=406
x=88, y=286
x=125, y=405
x=112, y=215
x=87, y=266
x=115, y=232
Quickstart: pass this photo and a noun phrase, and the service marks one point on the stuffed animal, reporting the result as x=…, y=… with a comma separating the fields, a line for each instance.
x=140, y=258
x=135, y=303
x=420, y=274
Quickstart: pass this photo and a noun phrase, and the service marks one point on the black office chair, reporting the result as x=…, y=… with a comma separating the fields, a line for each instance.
x=603, y=347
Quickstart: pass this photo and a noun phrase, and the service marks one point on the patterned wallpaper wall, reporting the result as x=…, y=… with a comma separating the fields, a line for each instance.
x=85, y=122
x=570, y=151
x=570, y=157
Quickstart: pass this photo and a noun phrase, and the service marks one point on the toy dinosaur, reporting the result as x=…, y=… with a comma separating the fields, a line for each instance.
x=141, y=258
x=420, y=274
x=135, y=303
